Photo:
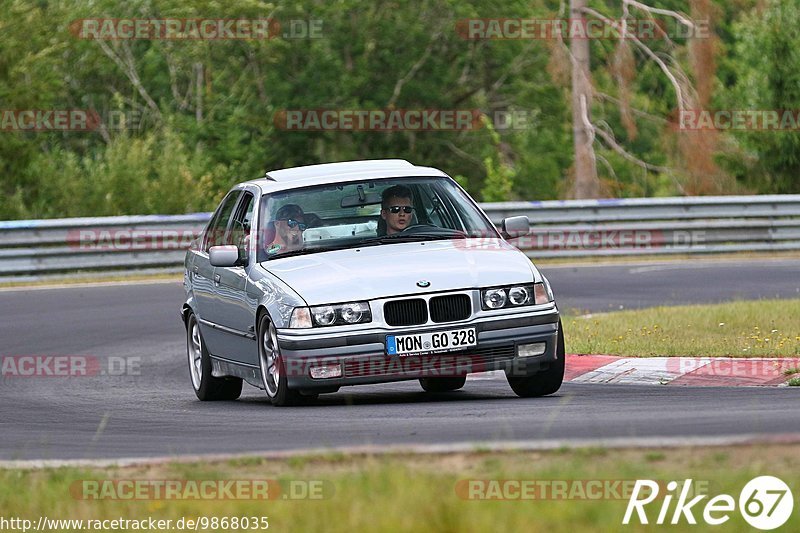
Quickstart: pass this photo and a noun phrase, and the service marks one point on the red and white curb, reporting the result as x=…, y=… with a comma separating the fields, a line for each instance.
x=686, y=371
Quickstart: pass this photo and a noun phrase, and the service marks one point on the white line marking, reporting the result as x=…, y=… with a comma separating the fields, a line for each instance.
x=91, y=285
x=666, y=441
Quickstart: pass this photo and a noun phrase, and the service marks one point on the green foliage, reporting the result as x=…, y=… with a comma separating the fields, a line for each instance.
x=499, y=182
x=146, y=175
x=201, y=115
x=767, y=52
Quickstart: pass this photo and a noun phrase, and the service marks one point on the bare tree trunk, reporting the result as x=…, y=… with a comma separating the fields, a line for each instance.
x=586, y=183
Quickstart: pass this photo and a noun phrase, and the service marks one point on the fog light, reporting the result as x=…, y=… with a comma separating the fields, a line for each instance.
x=326, y=371
x=531, y=350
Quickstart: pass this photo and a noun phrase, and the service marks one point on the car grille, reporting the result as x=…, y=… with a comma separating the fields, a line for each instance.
x=414, y=311
x=448, y=364
x=405, y=312
x=450, y=308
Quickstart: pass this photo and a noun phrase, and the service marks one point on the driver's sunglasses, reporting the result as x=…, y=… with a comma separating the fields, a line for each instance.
x=407, y=209
x=292, y=223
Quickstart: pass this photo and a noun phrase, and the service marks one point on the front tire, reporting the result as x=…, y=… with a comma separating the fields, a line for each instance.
x=273, y=369
x=543, y=382
x=442, y=384
x=205, y=385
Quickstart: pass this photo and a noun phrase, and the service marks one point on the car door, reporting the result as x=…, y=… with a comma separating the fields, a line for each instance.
x=202, y=273
x=234, y=309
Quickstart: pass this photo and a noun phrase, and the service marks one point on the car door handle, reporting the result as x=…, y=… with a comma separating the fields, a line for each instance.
x=216, y=279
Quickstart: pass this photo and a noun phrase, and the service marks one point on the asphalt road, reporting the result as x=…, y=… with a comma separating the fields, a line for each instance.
x=610, y=288
x=151, y=410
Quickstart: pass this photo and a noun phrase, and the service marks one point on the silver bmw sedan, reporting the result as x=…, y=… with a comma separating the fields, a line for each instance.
x=363, y=272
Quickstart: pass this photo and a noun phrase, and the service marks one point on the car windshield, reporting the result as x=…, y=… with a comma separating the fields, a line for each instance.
x=367, y=213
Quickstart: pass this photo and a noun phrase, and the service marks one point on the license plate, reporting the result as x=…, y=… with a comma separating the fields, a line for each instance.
x=434, y=342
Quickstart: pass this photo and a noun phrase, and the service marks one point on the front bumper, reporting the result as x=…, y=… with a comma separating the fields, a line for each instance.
x=363, y=357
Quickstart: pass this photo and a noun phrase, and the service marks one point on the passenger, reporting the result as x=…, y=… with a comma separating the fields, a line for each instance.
x=290, y=224
x=396, y=208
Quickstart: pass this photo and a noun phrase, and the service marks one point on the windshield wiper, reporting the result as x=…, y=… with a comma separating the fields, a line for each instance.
x=374, y=241
x=410, y=237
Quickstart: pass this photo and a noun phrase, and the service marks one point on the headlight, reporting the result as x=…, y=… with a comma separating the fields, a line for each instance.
x=331, y=315
x=515, y=296
x=354, y=312
x=519, y=295
x=494, y=298
x=324, y=315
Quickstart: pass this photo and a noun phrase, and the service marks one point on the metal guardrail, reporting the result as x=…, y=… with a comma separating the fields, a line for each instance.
x=38, y=247
x=573, y=228
x=654, y=226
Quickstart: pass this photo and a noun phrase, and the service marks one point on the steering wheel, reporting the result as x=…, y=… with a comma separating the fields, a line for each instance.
x=416, y=227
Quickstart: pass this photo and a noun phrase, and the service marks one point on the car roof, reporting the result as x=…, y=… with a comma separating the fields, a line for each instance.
x=328, y=173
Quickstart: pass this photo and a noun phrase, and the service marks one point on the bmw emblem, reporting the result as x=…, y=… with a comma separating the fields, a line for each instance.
x=423, y=283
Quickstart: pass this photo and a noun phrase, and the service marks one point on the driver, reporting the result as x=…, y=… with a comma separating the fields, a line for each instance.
x=396, y=208
x=289, y=226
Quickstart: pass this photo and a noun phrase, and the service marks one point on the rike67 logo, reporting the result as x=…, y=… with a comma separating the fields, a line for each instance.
x=765, y=503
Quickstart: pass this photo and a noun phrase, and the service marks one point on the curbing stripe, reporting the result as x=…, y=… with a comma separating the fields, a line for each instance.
x=578, y=365
x=680, y=371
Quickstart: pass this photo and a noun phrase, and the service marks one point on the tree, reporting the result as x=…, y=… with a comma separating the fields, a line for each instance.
x=585, y=130
x=767, y=79
x=587, y=184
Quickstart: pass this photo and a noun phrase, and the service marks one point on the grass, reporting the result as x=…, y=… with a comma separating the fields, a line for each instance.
x=763, y=328
x=414, y=492
x=794, y=382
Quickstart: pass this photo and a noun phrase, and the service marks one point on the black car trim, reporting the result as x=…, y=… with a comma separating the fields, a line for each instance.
x=380, y=338
x=226, y=329
x=235, y=363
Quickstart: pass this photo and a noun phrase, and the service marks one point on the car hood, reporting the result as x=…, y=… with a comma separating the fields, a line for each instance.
x=395, y=269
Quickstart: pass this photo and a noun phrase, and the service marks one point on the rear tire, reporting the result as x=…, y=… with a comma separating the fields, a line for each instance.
x=205, y=385
x=442, y=384
x=543, y=382
x=273, y=369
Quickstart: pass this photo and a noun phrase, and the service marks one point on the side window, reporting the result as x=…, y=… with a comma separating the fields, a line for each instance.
x=241, y=220
x=215, y=234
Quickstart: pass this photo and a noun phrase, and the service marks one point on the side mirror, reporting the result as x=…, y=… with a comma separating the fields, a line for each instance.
x=513, y=227
x=223, y=256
